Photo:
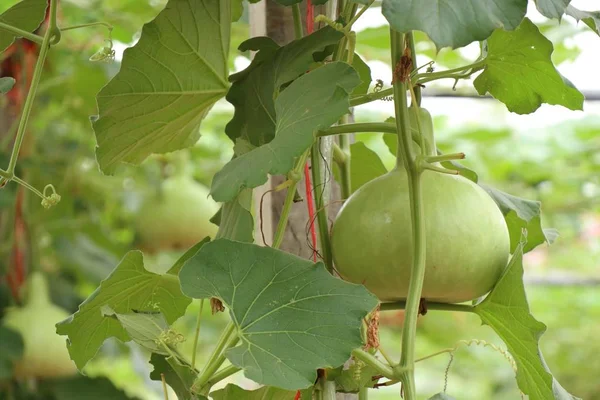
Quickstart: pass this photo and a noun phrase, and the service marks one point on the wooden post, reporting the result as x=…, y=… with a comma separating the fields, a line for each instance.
x=267, y=18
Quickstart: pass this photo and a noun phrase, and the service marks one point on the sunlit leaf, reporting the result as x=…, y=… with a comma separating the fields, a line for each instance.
x=454, y=23
x=292, y=316
x=298, y=114
x=26, y=15
x=521, y=214
x=590, y=18
x=254, y=90
x=365, y=165
x=129, y=287
x=552, y=8
x=519, y=72
x=179, y=377
x=233, y=392
x=506, y=311
x=167, y=84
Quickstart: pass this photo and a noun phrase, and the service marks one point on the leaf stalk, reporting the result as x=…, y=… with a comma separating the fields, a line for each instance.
x=22, y=33
x=228, y=339
x=374, y=363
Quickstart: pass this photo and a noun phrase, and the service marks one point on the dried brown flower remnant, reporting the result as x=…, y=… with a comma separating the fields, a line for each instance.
x=216, y=305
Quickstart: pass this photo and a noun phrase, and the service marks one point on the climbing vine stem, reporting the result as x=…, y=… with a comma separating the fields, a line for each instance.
x=9, y=174
x=413, y=52
x=401, y=65
x=21, y=33
x=35, y=80
x=401, y=305
x=197, y=334
x=228, y=339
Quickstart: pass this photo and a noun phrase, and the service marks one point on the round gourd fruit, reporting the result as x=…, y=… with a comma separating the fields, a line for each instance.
x=467, y=241
x=45, y=352
x=467, y=244
x=178, y=217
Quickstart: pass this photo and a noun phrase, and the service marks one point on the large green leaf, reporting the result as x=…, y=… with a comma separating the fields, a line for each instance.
x=167, y=83
x=365, y=165
x=292, y=316
x=233, y=392
x=26, y=15
x=519, y=72
x=590, y=18
x=179, y=377
x=454, y=23
x=552, y=8
x=11, y=350
x=298, y=114
x=506, y=311
x=254, y=90
x=130, y=287
x=521, y=214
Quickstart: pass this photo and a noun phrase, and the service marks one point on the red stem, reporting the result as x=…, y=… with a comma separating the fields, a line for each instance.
x=311, y=211
x=310, y=26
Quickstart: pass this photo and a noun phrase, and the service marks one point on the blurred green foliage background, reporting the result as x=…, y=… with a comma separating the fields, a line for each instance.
x=79, y=242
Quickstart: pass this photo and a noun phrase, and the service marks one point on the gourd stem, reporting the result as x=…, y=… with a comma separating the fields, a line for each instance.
x=416, y=89
x=105, y=24
x=418, y=79
x=21, y=33
x=285, y=214
x=449, y=73
x=318, y=191
x=164, y=386
x=197, y=334
x=369, y=97
x=374, y=363
x=222, y=374
x=228, y=339
x=298, y=32
x=345, y=177
x=320, y=185
x=35, y=80
x=406, y=159
x=401, y=305
x=289, y=200
x=385, y=127
x=363, y=393
x=328, y=389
